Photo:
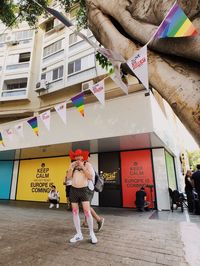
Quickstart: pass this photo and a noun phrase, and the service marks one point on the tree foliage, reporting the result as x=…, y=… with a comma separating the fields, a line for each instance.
x=12, y=12
x=194, y=159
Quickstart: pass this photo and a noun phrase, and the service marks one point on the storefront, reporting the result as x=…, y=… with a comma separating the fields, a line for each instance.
x=124, y=173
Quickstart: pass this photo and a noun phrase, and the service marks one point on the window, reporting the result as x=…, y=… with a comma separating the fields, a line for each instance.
x=74, y=66
x=52, y=75
x=49, y=25
x=81, y=64
x=43, y=76
x=22, y=35
x=2, y=38
x=15, y=86
x=57, y=73
x=52, y=48
x=24, y=57
x=73, y=38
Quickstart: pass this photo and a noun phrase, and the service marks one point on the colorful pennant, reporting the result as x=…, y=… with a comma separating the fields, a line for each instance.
x=78, y=101
x=34, y=124
x=175, y=24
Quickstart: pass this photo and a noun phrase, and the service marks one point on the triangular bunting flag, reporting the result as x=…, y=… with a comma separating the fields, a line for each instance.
x=116, y=59
x=45, y=117
x=61, y=110
x=116, y=77
x=10, y=133
x=98, y=90
x=175, y=24
x=111, y=55
x=138, y=64
x=34, y=124
x=19, y=129
x=1, y=140
x=78, y=101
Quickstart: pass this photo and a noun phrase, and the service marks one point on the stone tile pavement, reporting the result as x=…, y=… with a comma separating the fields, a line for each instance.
x=31, y=234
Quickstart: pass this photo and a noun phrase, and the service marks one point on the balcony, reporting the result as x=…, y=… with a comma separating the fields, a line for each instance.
x=14, y=89
x=17, y=66
x=80, y=45
x=14, y=93
x=53, y=57
x=81, y=75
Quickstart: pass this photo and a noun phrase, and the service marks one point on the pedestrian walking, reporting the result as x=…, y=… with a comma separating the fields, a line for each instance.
x=81, y=172
x=68, y=183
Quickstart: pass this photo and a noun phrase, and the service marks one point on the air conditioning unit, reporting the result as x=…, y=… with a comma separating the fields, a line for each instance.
x=86, y=85
x=42, y=85
x=11, y=40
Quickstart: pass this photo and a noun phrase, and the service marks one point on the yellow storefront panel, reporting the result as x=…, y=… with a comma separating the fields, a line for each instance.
x=38, y=175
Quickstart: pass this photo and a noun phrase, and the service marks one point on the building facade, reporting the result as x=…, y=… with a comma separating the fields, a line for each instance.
x=130, y=138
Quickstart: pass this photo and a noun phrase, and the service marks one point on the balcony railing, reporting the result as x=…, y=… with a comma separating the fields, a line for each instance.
x=14, y=92
x=17, y=66
x=82, y=75
x=81, y=44
x=57, y=55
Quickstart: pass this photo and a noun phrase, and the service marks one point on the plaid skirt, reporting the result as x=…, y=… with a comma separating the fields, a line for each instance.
x=80, y=194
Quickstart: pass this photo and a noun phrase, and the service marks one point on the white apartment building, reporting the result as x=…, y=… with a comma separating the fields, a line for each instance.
x=130, y=138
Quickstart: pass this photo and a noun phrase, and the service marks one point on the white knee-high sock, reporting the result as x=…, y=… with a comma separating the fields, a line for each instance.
x=76, y=220
x=89, y=218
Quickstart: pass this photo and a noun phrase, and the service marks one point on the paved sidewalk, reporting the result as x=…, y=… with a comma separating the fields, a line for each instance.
x=32, y=234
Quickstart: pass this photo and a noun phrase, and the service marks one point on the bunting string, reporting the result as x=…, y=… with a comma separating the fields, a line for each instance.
x=175, y=24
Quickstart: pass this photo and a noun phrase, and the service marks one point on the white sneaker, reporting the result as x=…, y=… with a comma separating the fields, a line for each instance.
x=93, y=238
x=51, y=206
x=76, y=238
x=57, y=205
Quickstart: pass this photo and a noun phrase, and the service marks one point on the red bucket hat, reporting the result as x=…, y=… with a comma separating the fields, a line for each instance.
x=79, y=152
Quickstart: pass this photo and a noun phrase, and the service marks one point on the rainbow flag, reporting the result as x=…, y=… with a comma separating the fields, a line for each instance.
x=1, y=140
x=78, y=101
x=34, y=124
x=175, y=24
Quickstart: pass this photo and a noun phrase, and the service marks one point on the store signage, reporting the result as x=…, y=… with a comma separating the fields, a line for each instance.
x=136, y=172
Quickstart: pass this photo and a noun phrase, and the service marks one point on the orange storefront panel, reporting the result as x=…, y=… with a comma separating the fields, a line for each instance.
x=136, y=171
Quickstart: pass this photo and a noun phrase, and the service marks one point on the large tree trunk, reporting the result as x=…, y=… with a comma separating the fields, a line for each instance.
x=174, y=69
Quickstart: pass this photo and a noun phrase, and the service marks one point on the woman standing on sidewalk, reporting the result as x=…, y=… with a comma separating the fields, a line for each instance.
x=81, y=172
x=188, y=190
